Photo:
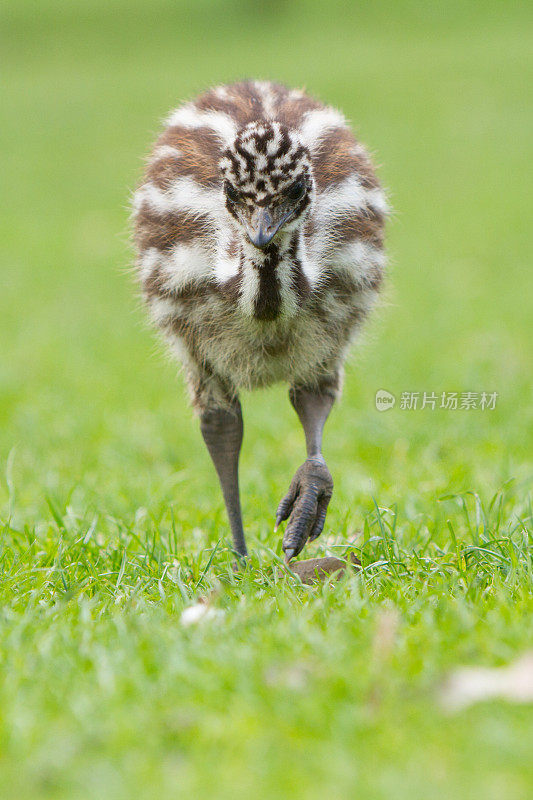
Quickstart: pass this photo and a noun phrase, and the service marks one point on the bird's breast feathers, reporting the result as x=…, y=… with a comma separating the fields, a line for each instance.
x=322, y=271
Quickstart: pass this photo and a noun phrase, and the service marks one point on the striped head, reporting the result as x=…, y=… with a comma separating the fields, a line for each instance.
x=268, y=181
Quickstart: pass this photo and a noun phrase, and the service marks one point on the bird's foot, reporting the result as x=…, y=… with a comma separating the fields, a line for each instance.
x=242, y=559
x=307, y=503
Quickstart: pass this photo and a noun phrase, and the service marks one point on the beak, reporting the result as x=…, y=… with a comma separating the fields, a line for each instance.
x=262, y=228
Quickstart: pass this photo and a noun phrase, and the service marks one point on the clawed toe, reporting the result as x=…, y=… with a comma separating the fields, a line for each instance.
x=290, y=552
x=305, y=504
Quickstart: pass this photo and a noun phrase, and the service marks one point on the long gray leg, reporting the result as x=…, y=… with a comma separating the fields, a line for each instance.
x=312, y=486
x=222, y=431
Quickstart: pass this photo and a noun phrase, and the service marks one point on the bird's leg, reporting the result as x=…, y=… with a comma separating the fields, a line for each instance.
x=222, y=431
x=311, y=488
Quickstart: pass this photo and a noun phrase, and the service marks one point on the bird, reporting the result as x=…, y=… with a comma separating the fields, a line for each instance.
x=258, y=227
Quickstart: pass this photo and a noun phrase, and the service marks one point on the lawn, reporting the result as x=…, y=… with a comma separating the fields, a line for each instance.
x=111, y=519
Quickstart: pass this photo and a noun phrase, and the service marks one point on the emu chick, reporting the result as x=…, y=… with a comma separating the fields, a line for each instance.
x=259, y=233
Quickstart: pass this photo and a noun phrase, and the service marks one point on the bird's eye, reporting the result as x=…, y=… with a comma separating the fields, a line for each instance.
x=231, y=193
x=296, y=191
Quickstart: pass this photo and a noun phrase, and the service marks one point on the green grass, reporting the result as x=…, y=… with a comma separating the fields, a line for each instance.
x=110, y=517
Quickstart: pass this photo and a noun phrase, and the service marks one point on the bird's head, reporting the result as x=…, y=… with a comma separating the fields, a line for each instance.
x=268, y=181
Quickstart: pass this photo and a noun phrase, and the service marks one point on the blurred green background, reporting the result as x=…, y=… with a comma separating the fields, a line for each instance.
x=92, y=415
x=440, y=96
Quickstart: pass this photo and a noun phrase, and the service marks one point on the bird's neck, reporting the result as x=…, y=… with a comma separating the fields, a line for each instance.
x=273, y=284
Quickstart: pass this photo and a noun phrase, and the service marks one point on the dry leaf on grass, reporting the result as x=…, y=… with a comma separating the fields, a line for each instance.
x=201, y=611
x=470, y=685
x=387, y=625
x=315, y=570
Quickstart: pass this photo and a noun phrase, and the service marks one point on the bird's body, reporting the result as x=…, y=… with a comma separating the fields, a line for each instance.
x=259, y=230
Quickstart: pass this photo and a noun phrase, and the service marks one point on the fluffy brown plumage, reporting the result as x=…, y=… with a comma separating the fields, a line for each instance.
x=259, y=230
